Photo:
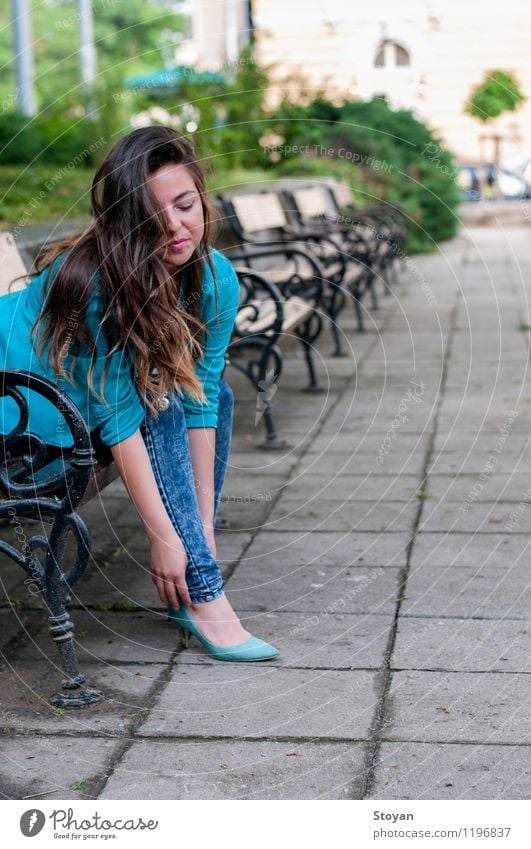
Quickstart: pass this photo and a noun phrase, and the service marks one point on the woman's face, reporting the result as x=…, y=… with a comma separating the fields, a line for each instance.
x=176, y=194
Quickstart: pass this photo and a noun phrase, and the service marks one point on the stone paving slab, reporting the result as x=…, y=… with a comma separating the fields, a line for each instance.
x=322, y=515
x=257, y=462
x=241, y=485
x=479, y=462
x=469, y=488
x=449, y=771
x=352, y=487
x=466, y=645
x=453, y=707
x=332, y=640
x=484, y=592
x=236, y=769
x=348, y=443
x=17, y=625
x=291, y=548
x=459, y=441
x=504, y=550
x=310, y=590
x=365, y=420
x=255, y=700
x=410, y=397
x=110, y=637
x=120, y=580
x=246, y=516
x=293, y=441
x=473, y=420
x=26, y=688
x=482, y=518
x=54, y=767
x=103, y=515
x=393, y=463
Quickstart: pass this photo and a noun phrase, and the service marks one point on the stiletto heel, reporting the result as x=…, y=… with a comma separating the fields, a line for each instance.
x=183, y=633
x=251, y=649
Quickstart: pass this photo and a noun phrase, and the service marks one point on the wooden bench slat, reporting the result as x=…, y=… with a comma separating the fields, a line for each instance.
x=259, y=211
x=313, y=201
x=295, y=311
x=343, y=194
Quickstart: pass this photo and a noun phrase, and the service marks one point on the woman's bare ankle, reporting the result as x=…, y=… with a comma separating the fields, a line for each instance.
x=218, y=622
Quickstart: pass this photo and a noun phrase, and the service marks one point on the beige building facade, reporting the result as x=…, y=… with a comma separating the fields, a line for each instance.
x=424, y=56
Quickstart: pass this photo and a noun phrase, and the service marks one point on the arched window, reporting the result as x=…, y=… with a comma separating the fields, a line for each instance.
x=390, y=54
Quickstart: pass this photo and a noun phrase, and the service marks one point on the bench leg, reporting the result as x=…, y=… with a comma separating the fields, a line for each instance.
x=272, y=442
x=394, y=272
x=308, y=334
x=266, y=385
x=264, y=374
x=356, y=292
x=334, y=306
x=73, y=693
x=49, y=580
x=371, y=286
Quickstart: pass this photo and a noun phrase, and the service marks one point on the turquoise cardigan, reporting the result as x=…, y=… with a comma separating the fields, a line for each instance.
x=121, y=412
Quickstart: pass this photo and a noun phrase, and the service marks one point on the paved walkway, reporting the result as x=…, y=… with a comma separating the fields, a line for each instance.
x=385, y=553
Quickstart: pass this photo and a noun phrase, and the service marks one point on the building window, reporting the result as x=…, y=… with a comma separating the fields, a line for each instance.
x=390, y=54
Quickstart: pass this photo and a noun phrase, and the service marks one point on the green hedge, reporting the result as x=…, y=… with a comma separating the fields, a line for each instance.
x=392, y=157
x=44, y=140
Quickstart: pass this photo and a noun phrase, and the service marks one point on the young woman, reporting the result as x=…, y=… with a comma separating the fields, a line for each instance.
x=132, y=319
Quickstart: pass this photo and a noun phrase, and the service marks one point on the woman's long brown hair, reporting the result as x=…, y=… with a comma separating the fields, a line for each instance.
x=118, y=256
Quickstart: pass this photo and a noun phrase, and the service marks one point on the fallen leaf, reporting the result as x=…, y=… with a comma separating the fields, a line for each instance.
x=443, y=709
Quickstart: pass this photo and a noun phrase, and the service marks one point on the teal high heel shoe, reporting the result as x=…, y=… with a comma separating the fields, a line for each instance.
x=251, y=649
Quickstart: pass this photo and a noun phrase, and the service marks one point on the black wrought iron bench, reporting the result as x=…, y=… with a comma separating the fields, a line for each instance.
x=48, y=484
x=363, y=243
x=258, y=219
x=387, y=222
x=267, y=315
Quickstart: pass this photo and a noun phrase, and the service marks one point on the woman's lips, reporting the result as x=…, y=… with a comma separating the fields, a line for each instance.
x=177, y=244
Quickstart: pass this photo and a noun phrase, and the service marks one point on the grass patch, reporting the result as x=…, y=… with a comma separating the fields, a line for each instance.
x=26, y=199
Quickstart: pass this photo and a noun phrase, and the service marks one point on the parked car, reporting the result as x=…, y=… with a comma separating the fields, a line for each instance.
x=487, y=182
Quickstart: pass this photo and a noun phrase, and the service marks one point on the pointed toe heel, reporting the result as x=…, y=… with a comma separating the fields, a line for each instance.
x=250, y=650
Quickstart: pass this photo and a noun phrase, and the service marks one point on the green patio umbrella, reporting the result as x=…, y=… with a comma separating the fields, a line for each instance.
x=173, y=78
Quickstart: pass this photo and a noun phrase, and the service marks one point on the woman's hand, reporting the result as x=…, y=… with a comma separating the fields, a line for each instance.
x=168, y=569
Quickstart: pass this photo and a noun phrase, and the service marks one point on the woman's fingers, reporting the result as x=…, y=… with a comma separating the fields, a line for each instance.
x=161, y=589
x=184, y=595
x=171, y=592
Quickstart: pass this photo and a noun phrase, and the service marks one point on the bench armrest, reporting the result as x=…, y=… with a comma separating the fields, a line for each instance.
x=23, y=453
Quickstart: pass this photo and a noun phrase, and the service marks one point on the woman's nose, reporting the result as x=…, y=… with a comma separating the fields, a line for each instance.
x=174, y=218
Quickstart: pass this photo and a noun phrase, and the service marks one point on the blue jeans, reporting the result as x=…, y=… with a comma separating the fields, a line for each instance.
x=166, y=439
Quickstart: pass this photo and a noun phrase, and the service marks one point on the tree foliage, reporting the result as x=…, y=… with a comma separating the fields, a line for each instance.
x=130, y=36
x=391, y=156
x=499, y=92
